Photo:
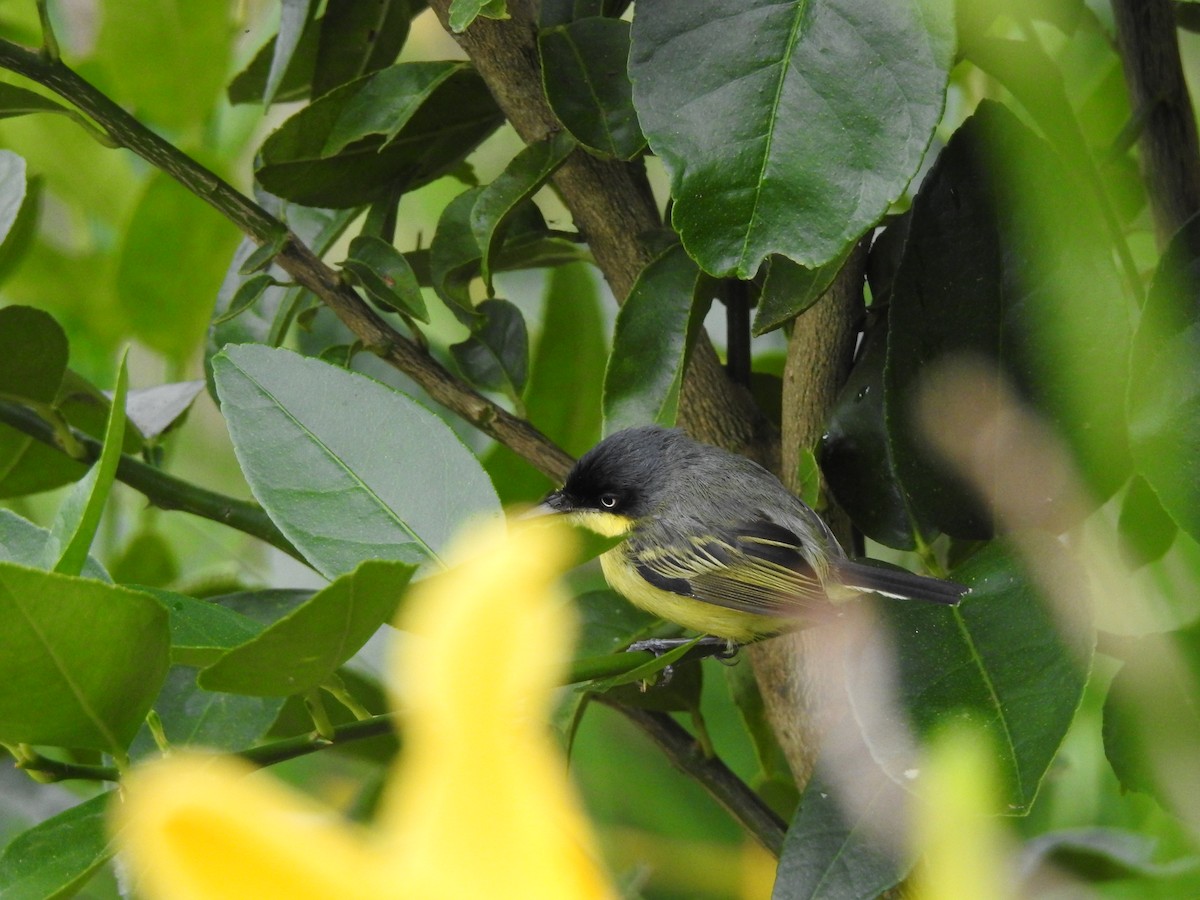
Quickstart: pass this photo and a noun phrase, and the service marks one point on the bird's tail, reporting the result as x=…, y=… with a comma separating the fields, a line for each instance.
x=895, y=582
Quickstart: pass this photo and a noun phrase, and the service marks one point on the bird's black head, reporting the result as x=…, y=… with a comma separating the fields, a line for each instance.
x=621, y=479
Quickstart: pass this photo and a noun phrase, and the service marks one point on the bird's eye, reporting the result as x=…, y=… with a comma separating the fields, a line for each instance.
x=608, y=501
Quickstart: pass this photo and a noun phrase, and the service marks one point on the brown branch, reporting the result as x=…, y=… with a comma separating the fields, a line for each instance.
x=1159, y=96
x=295, y=258
x=613, y=208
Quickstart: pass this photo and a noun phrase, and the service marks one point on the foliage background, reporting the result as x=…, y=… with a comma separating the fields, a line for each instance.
x=120, y=254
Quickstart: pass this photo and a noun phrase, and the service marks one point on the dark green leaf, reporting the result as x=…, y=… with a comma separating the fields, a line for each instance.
x=1164, y=393
x=78, y=516
x=24, y=230
x=250, y=85
x=1100, y=854
x=245, y=296
x=358, y=38
x=1004, y=263
x=454, y=255
x=568, y=360
x=386, y=276
x=12, y=190
x=166, y=288
x=1145, y=529
x=302, y=650
x=294, y=17
x=67, y=676
x=25, y=543
x=348, y=468
x=464, y=12
x=148, y=560
x=609, y=623
x=806, y=120
x=829, y=854
x=210, y=720
x=201, y=630
x=520, y=180
x=960, y=661
x=262, y=257
x=583, y=73
x=33, y=354
x=654, y=334
x=496, y=355
x=1151, y=722
x=855, y=455
x=56, y=857
x=789, y=289
x=400, y=127
x=17, y=101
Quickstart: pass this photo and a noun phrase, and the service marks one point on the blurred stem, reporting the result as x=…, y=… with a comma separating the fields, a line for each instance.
x=737, y=331
x=1158, y=94
x=162, y=490
x=49, y=41
x=295, y=258
x=688, y=755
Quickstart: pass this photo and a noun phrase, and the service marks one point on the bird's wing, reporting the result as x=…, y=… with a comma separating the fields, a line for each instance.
x=757, y=567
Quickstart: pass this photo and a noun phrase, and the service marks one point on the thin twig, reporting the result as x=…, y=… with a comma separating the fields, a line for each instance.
x=686, y=754
x=162, y=490
x=305, y=267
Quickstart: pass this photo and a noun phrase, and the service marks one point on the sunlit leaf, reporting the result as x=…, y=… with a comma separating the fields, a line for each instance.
x=67, y=677
x=654, y=333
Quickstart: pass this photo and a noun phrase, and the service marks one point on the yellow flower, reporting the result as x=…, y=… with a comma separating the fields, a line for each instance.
x=478, y=805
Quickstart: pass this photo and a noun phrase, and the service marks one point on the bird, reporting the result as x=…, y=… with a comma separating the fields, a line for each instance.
x=714, y=542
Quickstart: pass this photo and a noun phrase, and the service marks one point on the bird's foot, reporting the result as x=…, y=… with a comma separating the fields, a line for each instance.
x=707, y=646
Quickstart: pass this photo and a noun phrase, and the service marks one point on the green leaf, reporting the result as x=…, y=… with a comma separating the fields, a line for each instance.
x=268, y=321
x=1150, y=716
x=806, y=121
x=190, y=45
x=519, y=181
x=33, y=354
x=78, y=516
x=496, y=354
x=304, y=648
x=454, y=255
x=250, y=84
x=1164, y=390
x=25, y=228
x=67, y=676
x=1005, y=263
x=12, y=190
x=789, y=289
x=148, y=559
x=856, y=456
x=568, y=360
x=201, y=630
x=1145, y=529
x=828, y=854
x=583, y=74
x=25, y=543
x=209, y=720
x=244, y=297
x=166, y=311
x=348, y=468
x=17, y=101
x=653, y=336
x=464, y=12
x=960, y=661
x=400, y=127
x=359, y=38
x=609, y=623
x=294, y=17
x=1100, y=855
x=386, y=276
x=57, y=856
x=154, y=411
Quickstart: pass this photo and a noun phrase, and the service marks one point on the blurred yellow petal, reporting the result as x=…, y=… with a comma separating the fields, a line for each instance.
x=195, y=827
x=479, y=804
x=957, y=830
x=481, y=799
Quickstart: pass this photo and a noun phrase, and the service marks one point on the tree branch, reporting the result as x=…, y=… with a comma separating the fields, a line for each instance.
x=686, y=754
x=612, y=206
x=1159, y=96
x=295, y=258
x=162, y=490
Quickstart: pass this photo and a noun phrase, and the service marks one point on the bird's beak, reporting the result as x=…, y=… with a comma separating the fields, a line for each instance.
x=555, y=502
